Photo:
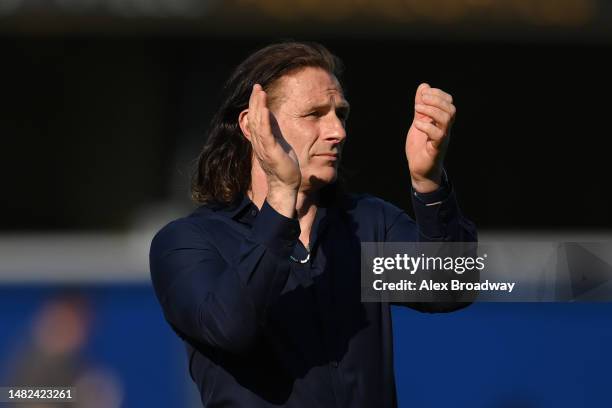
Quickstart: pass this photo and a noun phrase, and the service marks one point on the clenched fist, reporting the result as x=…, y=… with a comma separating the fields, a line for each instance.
x=428, y=137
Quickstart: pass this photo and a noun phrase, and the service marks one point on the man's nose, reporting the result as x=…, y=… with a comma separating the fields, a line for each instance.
x=335, y=131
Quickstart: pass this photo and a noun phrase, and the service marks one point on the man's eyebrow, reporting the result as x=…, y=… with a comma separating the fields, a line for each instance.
x=342, y=105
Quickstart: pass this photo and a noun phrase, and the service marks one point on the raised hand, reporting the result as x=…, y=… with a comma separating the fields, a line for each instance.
x=428, y=136
x=275, y=156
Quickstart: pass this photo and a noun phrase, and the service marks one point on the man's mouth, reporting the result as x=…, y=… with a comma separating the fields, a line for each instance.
x=331, y=156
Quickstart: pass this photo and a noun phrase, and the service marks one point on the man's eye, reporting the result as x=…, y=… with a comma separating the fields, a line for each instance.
x=315, y=114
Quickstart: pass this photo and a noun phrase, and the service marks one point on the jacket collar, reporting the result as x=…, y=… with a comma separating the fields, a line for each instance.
x=243, y=207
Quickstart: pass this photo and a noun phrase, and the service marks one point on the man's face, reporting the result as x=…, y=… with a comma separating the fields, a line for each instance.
x=311, y=111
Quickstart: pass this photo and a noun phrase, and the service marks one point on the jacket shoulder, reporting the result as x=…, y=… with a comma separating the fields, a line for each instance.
x=193, y=230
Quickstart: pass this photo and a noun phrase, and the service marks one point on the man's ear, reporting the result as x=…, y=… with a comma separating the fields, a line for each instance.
x=243, y=122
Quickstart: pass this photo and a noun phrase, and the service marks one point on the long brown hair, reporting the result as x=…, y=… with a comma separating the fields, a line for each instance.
x=223, y=169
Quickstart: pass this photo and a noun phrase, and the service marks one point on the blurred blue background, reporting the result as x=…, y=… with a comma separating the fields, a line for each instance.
x=489, y=355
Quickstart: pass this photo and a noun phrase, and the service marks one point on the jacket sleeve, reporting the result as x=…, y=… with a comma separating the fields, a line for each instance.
x=438, y=219
x=220, y=302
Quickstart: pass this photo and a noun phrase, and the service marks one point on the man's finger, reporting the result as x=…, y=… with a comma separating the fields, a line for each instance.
x=252, y=113
x=438, y=115
x=419, y=92
x=258, y=148
x=255, y=110
x=439, y=93
x=433, y=132
x=253, y=105
x=439, y=102
x=254, y=121
x=263, y=119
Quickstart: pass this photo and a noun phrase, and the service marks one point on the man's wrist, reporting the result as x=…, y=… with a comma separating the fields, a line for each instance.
x=424, y=185
x=435, y=211
x=283, y=200
x=436, y=196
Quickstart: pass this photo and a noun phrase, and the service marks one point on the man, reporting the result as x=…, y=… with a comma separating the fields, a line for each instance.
x=262, y=281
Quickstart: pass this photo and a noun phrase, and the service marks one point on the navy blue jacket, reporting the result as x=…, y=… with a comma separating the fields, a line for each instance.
x=264, y=331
